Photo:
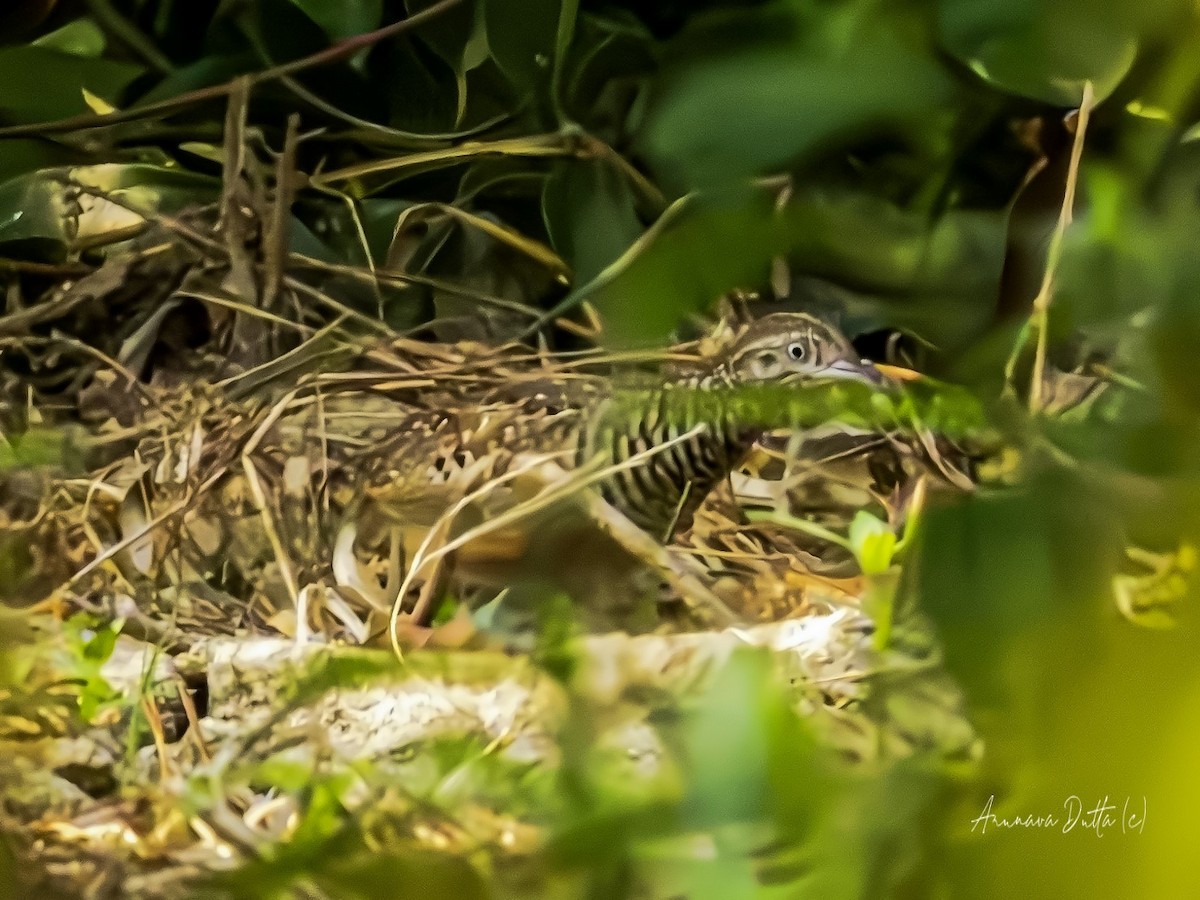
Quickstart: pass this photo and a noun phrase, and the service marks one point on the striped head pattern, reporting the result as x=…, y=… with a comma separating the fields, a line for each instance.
x=785, y=347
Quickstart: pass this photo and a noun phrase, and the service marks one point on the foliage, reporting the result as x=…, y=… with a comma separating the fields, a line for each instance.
x=534, y=163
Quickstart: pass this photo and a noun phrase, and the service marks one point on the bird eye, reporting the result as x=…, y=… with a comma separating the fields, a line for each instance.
x=796, y=351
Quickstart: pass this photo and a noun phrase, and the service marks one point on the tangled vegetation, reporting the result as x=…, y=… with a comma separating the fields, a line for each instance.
x=329, y=325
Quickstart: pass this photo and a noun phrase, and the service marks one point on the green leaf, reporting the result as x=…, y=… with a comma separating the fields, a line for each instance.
x=522, y=43
x=33, y=219
x=423, y=873
x=149, y=187
x=993, y=568
x=919, y=274
x=762, y=108
x=699, y=249
x=729, y=742
x=922, y=274
x=81, y=37
x=343, y=18
x=40, y=83
x=92, y=644
x=37, y=221
x=459, y=38
x=99, y=647
x=605, y=53
x=873, y=542
x=22, y=156
x=590, y=215
x=1044, y=50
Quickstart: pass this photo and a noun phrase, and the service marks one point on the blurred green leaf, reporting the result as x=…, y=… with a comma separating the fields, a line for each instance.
x=91, y=644
x=344, y=668
x=728, y=739
x=999, y=572
x=413, y=872
x=761, y=108
x=1047, y=50
x=1039, y=49
x=901, y=169
x=330, y=851
x=698, y=250
x=35, y=447
x=922, y=275
x=937, y=277
x=873, y=542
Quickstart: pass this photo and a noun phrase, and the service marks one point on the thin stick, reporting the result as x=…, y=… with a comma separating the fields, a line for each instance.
x=193, y=717
x=1040, y=317
x=260, y=498
x=155, y=724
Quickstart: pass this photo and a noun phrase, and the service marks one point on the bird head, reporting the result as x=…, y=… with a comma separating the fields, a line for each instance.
x=785, y=347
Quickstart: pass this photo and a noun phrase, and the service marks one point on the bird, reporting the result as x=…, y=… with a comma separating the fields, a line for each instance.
x=662, y=495
x=476, y=468
x=651, y=454
x=664, y=461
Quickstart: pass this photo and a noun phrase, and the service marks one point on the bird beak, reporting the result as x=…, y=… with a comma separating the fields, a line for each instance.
x=860, y=371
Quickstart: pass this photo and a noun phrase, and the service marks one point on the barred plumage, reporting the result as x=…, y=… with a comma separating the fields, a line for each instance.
x=689, y=444
x=662, y=494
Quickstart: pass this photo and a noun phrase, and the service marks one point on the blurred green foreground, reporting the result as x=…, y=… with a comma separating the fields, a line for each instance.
x=900, y=166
